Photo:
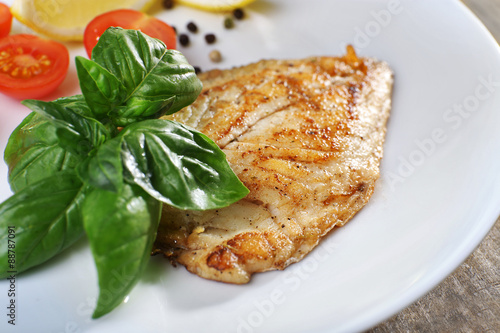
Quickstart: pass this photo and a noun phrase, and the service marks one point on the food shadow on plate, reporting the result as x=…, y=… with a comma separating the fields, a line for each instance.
x=176, y=283
x=59, y=259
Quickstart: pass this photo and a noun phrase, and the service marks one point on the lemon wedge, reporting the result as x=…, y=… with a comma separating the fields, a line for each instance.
x=215, y=5
x=65, y=20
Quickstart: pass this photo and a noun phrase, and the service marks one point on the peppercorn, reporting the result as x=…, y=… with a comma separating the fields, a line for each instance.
x=184, y=39
x=192, y=27
x=168, y=4
x=228, y=23
x=197, y=70
x=215, y=56
x=210, y=38
x=238, y=13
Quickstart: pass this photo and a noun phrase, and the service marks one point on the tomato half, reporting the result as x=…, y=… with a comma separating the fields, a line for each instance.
x=5, y=20
x=30, y=66
x=128, y=19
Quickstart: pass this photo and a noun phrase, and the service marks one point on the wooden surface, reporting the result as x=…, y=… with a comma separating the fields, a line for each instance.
x=469, y=299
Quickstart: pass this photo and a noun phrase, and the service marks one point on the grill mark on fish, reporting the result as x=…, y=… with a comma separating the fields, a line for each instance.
x=305, y=136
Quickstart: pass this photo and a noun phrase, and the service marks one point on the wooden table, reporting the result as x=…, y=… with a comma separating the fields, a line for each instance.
x=469, y=299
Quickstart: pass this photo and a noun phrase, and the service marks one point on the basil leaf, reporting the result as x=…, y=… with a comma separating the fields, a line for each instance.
x=152, y=110
x=76, y=133
x=46, y=218
x=33, y=152
x=76, y=104
x=157, y=80
x=179, y=166
x=121, y=228
x=104, y=170
x=102, y=90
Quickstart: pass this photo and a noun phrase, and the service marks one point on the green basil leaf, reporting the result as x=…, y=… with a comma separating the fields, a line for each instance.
x=33, y=152
x=179, y=166
x=76, y=104
x=154, y=109
x=46, y=219
x=121, y=228
x=104, y=169
x=76, y=133
x=102, y=90
x=157, y=80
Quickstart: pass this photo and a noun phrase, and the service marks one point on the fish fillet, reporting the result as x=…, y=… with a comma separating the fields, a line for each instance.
x=305, y=136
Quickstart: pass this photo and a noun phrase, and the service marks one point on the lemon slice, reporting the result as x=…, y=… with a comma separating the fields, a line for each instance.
x=215, y=5
x=66, y=20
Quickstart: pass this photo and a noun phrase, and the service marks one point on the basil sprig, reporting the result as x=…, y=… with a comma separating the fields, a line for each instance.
x=102, y=164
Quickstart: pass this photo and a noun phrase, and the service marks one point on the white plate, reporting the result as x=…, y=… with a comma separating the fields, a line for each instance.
x=438, y=195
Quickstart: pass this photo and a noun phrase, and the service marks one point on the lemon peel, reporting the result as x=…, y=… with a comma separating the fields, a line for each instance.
x=215, y=5
x=65, y=20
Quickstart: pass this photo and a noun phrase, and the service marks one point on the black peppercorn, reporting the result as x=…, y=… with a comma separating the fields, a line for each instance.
x=192, y=27
x=238, y=13
x=210, y=38
x=197, y=69
x=184, y=39
x=168, y=4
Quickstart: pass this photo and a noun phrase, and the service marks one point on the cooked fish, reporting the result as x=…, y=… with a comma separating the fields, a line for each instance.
x=305, y=136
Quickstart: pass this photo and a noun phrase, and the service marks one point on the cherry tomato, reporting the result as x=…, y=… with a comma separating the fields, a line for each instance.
x=5, y=20
x=30, y=66
x=128, y=19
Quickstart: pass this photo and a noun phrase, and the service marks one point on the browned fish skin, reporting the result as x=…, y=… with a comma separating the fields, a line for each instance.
x=305, y=136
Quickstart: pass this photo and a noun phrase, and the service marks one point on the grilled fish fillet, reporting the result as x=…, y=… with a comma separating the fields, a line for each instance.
x=305, y=136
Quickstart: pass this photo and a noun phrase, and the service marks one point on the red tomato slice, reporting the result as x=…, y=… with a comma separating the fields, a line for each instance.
x=30, y=66
x=5, y=20
x=128, y=19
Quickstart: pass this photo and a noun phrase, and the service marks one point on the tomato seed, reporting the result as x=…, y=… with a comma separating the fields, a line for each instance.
x=15, y=72
x=25, y=73
x=35, y=69
x=6, y=67
x=17, y=64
